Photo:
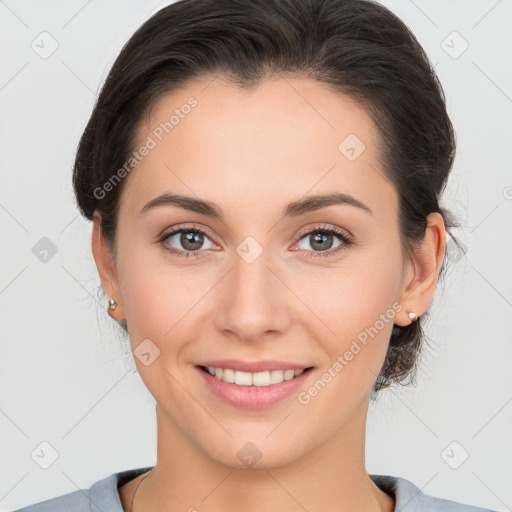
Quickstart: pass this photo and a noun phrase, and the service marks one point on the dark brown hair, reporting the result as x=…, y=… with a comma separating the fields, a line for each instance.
x=357, y=47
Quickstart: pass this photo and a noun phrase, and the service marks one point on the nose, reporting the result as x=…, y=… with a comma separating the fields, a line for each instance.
x=252, y=301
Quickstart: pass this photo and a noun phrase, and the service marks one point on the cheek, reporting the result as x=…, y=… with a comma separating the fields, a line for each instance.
x=358, y=304
x=352, y=296
x=355, y=352
x=159, y=303
x=156, y=292
x=164, y=303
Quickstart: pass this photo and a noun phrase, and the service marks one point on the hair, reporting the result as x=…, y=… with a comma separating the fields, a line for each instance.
x=357, y=47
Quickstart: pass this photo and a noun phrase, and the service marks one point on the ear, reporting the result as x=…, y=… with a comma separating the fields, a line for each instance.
x=421, y=276
x=106, y=268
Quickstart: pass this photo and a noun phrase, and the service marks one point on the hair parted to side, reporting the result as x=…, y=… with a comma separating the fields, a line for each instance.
x=357, y=47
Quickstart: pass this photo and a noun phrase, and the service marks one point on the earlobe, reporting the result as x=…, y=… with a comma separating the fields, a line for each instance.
x=418, y=292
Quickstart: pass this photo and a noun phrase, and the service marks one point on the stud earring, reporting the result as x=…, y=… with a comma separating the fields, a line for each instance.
x=413, y=316
x=112, y=304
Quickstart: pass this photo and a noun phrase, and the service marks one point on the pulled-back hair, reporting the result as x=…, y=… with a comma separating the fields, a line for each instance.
x=357, y=47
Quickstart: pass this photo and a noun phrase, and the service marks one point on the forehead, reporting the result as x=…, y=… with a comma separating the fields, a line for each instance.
x=286, y=137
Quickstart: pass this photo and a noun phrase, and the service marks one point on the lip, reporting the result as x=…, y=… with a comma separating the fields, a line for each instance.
x=254, y=397
x=253, y=367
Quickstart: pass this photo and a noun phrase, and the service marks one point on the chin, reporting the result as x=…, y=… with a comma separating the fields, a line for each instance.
x=254, y=455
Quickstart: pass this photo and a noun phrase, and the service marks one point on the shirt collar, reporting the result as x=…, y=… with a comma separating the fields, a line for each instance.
x=104, y=494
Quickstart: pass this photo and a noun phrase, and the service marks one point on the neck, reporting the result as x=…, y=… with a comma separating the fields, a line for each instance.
x=332, y=476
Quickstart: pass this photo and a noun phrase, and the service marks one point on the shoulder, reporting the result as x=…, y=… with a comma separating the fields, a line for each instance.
x=409, y=498
x=103, y=495
x=77, y=501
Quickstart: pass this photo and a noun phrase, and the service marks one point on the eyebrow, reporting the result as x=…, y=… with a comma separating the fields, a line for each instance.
x=301, y=207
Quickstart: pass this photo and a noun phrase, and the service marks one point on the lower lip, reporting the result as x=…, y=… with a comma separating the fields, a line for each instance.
x=253, y=397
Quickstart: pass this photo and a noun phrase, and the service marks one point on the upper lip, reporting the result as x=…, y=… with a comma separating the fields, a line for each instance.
x=255, y=366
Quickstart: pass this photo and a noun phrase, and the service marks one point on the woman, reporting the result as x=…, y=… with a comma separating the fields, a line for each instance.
x=264, y=182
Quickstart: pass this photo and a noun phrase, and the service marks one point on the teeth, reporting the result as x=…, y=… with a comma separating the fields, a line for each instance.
x=253, y=379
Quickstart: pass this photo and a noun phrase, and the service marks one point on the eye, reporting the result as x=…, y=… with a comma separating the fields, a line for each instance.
x=189, y=241
x=321, y=241
x=186, y=241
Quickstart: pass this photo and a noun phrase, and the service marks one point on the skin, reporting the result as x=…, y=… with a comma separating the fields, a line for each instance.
x=253, y=153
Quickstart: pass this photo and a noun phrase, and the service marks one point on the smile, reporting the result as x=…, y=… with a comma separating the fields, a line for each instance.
x=257, y=390
x=265, y=378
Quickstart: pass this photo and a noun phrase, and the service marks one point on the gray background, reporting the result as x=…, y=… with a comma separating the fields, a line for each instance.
x=66, y=375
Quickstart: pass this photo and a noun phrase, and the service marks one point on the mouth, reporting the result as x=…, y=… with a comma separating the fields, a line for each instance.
x=257, y=390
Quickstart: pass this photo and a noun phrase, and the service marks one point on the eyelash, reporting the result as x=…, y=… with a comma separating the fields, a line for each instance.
x=344, y=237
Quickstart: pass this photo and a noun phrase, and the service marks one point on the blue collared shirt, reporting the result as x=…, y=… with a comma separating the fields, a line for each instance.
x=103, y=496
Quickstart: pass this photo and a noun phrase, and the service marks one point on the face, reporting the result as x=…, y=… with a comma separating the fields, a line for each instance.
x=263, y=279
